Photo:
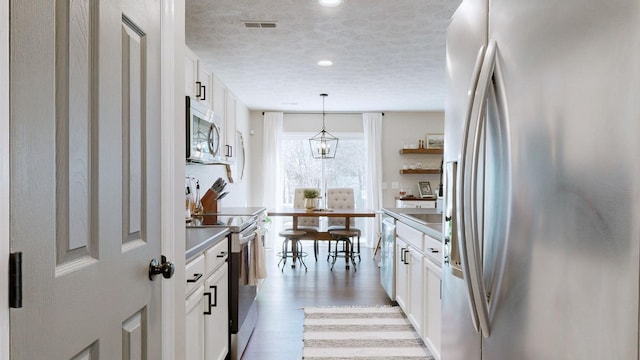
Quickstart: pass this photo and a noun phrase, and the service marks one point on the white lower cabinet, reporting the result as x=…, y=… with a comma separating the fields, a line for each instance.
x=416, y=286
x=402, y=275
x=216, y=319
x=433, y=301
x=418, y=282
x=194, y=325
x=409, y=278
x=207, y=305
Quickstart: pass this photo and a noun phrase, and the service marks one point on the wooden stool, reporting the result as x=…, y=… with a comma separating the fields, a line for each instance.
x=293, y=237
x=344, y=236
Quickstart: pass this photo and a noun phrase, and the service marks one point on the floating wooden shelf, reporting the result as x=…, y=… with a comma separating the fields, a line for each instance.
x=422, y=151
x=419, y=171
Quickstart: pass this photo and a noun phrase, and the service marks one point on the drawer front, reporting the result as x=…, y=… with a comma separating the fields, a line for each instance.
x=419, y=204
x=217, y=255
x=194, y=273
x=412, y=236
x=433, y=249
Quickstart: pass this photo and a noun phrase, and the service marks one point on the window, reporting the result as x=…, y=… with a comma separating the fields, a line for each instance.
x=347, y=169
x=300, y=169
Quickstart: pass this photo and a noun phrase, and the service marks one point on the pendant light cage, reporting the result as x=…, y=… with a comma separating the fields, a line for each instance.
x=323, y=144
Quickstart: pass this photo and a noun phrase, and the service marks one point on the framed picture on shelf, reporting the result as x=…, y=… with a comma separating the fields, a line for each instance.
x=434, y=141
x=424, y=187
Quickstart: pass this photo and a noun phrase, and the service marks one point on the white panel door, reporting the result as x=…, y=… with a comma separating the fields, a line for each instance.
x=216, y=314
x=85, y=178
x=402, y=274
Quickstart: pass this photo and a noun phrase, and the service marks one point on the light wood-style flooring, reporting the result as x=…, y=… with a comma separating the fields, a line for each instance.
x=278, y=334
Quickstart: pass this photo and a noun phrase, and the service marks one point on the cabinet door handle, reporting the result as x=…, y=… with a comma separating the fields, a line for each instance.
x=196, y=277
x=215, y=299
x=222, y=254
x=215, y=296
x=406, y=259
x=199, y=93
x=402, y=254
x=433, y=250
x=208, y=309
x=204, y=93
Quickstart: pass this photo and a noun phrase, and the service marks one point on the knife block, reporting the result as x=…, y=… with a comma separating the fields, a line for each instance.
x=209, y=206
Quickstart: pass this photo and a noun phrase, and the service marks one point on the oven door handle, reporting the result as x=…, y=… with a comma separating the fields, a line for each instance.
x=246, y=238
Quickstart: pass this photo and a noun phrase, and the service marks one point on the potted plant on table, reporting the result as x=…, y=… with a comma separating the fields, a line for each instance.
x=310, y=199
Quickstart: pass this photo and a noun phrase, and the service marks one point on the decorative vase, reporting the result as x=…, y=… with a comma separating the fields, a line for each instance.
x=310, y=204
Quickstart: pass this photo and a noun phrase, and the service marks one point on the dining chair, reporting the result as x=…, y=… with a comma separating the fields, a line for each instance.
x=342, y=198
x=308, y=224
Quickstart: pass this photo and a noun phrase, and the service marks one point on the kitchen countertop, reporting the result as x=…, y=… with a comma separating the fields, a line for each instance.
x=198, y=239
x=433, y=229
x=246, y=211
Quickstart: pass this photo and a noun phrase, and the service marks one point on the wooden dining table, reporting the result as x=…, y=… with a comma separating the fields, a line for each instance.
x=296, y=213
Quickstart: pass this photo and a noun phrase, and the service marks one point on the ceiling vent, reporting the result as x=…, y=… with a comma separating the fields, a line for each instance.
x=260, y=24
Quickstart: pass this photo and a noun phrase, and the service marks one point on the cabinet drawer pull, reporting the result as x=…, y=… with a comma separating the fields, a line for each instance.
x=222, y=254
x=196, y=277
x=433, y=250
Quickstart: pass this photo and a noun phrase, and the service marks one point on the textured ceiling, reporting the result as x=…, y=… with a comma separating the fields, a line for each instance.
x=388, y=55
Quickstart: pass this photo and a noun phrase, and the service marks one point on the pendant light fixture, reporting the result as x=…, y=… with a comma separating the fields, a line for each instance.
x=323, y=144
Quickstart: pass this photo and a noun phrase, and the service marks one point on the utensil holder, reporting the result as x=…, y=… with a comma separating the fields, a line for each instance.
x=209, y=206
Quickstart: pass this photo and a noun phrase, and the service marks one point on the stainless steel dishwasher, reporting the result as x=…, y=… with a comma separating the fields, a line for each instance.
x=387, y=253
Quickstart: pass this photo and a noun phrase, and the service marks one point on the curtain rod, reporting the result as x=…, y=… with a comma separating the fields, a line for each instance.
x=327, y=113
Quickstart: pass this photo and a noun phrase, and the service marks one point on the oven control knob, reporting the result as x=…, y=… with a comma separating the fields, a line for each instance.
x=166, y=268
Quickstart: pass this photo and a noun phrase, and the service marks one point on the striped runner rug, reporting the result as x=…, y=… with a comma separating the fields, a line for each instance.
x=379, y=332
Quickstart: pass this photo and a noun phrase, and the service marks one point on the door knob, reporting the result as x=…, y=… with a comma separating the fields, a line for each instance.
x=166, y=268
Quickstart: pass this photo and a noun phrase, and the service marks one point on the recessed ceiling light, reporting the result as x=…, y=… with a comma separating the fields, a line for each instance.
x=330, y=3
x=325, y=63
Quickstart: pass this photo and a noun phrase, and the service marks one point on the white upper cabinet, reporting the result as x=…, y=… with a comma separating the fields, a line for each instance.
x=219, y=97
x=198, y=79
x=230, y=126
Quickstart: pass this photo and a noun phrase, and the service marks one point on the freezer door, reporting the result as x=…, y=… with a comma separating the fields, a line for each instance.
x=466, y=44
x=571, y=70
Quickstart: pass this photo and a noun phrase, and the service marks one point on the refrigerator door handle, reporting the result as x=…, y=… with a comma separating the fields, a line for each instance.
x=478, y=116
x=462, y=212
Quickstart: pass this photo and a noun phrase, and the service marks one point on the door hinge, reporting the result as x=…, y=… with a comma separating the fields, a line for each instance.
x=15, y=280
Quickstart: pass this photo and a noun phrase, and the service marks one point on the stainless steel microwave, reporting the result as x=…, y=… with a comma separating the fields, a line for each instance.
x=203, y=134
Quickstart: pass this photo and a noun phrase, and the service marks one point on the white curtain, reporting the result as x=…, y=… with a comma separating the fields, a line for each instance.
x=271, y=192
x=372, y=125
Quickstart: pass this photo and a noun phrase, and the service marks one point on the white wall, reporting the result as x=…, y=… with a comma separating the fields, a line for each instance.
x=407, y=128
x=398, y=128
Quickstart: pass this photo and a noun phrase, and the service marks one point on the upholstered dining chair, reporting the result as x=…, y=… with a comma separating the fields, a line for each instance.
x=342, y=198
x=307, y=224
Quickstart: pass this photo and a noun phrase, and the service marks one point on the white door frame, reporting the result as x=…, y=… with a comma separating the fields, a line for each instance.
x=4, y=179
x=172, y=172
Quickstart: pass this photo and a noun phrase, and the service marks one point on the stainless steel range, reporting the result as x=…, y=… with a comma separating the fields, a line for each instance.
x=244, y=224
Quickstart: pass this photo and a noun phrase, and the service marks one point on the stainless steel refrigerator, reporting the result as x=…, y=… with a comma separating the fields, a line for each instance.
x=542, y=181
